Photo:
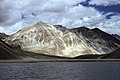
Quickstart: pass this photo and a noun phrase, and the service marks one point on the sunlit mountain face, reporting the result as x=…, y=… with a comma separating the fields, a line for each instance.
x=57, y=40
x=62, y=28
x=44, y=38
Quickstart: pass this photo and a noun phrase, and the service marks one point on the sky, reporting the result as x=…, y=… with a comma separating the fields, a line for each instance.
x=103, y=14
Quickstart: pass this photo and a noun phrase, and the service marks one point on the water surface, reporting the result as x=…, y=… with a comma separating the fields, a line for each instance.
x=60, y=71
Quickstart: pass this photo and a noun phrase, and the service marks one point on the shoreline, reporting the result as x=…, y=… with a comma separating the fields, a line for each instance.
x=60, y=60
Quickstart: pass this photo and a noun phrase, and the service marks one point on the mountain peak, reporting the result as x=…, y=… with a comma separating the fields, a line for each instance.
x=97, y=30
x=98, y=39
x=57, y=40
x=52, y=40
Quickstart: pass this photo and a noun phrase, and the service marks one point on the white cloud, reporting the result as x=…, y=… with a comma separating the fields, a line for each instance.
x=104, y=2
x=13, y=9
x=63, y=12
x=111, y=25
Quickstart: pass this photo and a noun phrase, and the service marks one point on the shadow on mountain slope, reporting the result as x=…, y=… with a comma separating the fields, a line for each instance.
x=8, y=52
x=114, y=55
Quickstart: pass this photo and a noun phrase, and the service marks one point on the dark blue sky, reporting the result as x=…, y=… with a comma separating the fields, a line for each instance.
x=104, y=9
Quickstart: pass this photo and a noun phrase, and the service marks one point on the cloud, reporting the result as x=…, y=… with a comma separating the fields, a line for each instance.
x=104, y=2
x=111, y=25
x=12, y=9
x=16, y=14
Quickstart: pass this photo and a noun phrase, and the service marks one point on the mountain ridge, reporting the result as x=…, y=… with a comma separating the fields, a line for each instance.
x=60, y=41
x=100, y=40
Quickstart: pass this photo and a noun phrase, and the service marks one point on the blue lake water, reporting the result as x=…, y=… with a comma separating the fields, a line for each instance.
x=60, y=71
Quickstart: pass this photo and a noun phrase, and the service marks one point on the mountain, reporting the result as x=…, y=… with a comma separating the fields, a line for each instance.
x=97, y=39
x=44, y=38
x=3, y=36
x=57, y=40
x=116, y=36
x=114, y=55
x=8, y=52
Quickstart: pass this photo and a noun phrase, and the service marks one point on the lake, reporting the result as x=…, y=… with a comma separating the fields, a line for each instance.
x=60, y=71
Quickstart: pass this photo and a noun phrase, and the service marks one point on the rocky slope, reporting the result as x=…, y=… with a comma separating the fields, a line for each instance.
x=116, y=36
x=57, y=40
x=14, y=52
x=8, y=52
x=3, y=36
x=114, y=55
x=48, y=39
x=97, y=39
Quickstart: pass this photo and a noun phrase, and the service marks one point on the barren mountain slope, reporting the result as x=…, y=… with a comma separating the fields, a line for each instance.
x=44, y=38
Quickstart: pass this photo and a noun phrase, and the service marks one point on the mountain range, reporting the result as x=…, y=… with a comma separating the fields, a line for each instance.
x=42, y=40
